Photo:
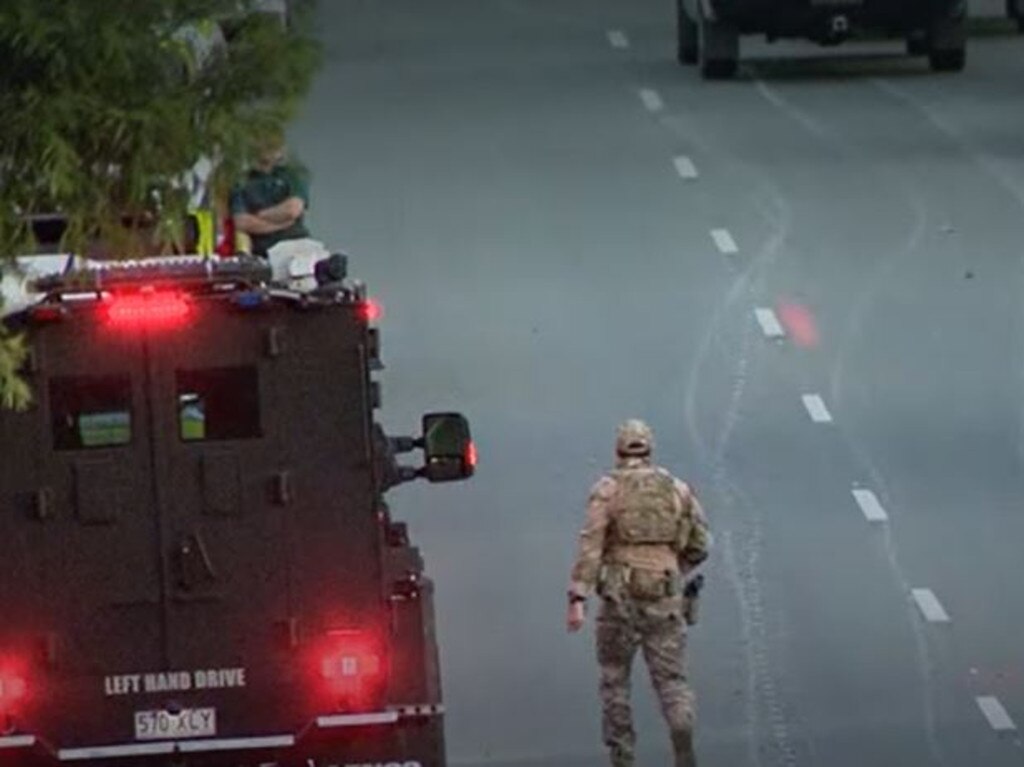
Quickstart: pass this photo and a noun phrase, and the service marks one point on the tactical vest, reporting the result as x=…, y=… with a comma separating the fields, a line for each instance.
x=646, y=508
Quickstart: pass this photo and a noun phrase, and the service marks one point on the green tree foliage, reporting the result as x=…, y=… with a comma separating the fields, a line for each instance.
x=14, y=392
x=107, y=103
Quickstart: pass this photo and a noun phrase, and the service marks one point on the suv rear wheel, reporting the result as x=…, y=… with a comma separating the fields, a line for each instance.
x=948, y=61
x=718, y=48
x=1015, y=11
x=947, y=44
x=686, y=36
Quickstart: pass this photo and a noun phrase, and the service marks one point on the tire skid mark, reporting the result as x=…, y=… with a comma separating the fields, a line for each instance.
x=743, y=537
x=984, y=160
x=852, y=331
x=925, y=661
x=808, y=123
x=863, y=305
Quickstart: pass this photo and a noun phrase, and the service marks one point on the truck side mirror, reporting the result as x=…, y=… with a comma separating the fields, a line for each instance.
x=448, y=447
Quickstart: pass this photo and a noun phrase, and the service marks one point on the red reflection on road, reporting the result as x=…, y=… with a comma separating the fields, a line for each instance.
x=799, y=324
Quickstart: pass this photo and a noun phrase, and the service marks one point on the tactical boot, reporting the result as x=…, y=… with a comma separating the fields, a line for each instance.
x=682, y=744
x=621, y=757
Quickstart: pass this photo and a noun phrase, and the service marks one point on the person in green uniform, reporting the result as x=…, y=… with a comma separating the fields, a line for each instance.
x=270, y=202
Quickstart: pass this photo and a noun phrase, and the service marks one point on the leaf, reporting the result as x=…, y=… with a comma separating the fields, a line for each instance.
x=15, y=393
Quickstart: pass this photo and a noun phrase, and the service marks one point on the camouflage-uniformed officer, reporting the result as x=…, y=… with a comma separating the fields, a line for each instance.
x=644, y=531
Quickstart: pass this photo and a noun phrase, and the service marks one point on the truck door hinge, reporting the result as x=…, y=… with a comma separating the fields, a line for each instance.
x=47, y=648
x=283, y=491
x=288, y=633
x=43, y=507
x=274, y=346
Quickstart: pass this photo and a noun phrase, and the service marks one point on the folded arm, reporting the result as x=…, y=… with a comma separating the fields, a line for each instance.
x=287, y=212
x=253, y=223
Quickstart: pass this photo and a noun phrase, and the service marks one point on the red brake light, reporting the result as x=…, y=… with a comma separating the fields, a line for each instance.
x=471, y=455
x=371, y=311
x=351, y=666
x=147, y=309
x=13, y=683
x=12, y=688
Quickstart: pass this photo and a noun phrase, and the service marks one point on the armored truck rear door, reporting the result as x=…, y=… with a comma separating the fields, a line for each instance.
x=269, y=523
x=82, y=587
x=224, y=496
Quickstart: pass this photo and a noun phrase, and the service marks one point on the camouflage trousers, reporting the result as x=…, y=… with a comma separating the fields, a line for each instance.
x=657, y=627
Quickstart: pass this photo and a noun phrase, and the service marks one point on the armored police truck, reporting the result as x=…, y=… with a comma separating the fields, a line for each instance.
x=197, y=566
x=708, y=31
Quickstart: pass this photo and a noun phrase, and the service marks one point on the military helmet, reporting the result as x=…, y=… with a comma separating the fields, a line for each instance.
x=634, y=438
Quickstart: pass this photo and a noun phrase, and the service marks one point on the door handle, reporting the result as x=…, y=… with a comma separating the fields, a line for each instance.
x=193, y=563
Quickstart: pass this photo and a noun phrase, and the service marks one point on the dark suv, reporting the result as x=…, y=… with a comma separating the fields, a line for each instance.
x=708, y=31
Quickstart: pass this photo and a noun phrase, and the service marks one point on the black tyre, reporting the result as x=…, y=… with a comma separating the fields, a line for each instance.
x=687, y=38
x=719, y=69
x=947, y=44
x=718, y=49
x=952, y=60
x=1015, y=11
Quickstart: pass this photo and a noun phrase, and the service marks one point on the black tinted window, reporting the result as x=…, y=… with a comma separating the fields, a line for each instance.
x=218, y=403
x=90, y=411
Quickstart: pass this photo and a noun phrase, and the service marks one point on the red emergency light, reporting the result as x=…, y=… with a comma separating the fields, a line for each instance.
x=370, y=311
x=147, y=309
x=46, y=313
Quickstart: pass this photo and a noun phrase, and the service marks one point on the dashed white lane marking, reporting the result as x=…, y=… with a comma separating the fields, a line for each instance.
x=685, y=168
x=617, y=39
x=724, y=241
x=770, y=324
x=652, y=100
x=869, y=504
x=930, y=606
x=997, y=717
x=816, y=408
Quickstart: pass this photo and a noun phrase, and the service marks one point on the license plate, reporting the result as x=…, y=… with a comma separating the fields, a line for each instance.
x=187, y=723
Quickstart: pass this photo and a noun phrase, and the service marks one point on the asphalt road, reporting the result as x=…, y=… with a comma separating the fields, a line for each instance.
x=567, y=229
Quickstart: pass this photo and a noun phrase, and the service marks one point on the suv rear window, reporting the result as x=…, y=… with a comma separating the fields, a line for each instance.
x=218, y=404
x=91, y=411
